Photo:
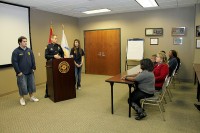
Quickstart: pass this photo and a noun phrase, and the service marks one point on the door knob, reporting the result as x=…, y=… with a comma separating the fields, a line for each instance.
x=103, y=54
x=99, y=54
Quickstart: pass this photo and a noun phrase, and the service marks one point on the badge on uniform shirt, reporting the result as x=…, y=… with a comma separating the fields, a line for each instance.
x=51, y=48
x=29, y=53
x=21, y=54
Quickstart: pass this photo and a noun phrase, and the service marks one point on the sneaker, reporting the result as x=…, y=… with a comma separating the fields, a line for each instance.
x=22, y=101
x=141, y=116
x=34, y=99
x=46, y=96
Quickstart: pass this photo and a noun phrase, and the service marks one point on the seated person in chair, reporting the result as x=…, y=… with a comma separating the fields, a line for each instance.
x=172, y=62
x=153, y=59
x=161, y=70
x=145, y=86
x=178, y=61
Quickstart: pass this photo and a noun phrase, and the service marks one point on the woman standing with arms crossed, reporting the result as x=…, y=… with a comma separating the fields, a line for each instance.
x=78, y=54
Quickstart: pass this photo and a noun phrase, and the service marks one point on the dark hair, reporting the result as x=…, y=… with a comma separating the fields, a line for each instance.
x=21, y=38
x=174, y=53
x=163, y=51
x=146, y=64
x=76, y=40
x=79, y=46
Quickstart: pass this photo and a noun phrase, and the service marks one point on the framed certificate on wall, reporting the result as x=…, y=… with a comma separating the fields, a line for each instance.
x=178, y=31
x=153, y=41
x=178, y=40
x=153, y=31
x=198, y=43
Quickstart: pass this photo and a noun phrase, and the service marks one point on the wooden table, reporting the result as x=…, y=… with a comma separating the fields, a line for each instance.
x=197, y=78
x=117, y=79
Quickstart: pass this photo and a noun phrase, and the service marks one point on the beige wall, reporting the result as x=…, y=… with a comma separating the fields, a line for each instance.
x=40, y=25
x=197, y=22
x=133, y=26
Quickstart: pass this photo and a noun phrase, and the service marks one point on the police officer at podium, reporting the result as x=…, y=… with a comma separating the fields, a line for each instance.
x=53, y=51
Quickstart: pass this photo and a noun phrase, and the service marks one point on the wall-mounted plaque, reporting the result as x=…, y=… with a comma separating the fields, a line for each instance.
x=178, y=40
x=198, y=31
x=178, y=31
x=153, y=31
x=198, y=43
x=153, y=41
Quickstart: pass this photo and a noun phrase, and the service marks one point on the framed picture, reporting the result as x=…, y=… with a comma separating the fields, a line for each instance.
x=153, y=41
x=178, y=40
x=178, y=31
x=198, y=43
x=153, y=31
x=198, y=31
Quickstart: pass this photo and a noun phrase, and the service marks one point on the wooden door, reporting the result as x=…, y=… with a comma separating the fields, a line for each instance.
x=102, y=48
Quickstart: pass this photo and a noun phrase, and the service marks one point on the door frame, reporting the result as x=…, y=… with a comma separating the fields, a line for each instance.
x=104, y=29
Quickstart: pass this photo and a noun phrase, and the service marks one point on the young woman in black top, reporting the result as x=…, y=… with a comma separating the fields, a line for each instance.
x=78, y=54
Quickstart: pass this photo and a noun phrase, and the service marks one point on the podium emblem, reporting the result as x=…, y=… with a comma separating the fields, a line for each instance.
x=63, y=67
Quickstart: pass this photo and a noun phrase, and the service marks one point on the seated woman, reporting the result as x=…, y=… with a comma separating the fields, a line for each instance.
x=145, y=86
x=161, y=70
x=172, y=62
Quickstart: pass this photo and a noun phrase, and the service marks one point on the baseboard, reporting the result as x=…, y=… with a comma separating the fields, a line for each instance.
x=11, y=92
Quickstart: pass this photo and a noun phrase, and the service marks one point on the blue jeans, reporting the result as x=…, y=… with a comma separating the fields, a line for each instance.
x=26, y=84
x=78, y=76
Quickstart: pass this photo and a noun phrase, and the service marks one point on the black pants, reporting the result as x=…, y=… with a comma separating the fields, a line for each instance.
x=158, y=88
x=137, y=95
x=46, y=92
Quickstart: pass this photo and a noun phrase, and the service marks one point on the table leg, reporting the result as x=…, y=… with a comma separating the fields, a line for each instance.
x=198, y=91
x=112, y=108
x=195, y=78
x=129, y=86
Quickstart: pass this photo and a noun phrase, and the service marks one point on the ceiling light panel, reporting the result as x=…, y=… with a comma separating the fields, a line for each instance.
x=147, y=3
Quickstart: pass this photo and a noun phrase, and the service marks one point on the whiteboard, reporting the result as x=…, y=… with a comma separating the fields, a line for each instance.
x=13, y=24
x=135, y=49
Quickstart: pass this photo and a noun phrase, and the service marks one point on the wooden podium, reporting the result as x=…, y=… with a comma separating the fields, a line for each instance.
x=61, y=79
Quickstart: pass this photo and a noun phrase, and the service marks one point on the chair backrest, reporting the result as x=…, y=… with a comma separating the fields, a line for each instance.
x=174, y=72
x=164, y=87
x=178, y=67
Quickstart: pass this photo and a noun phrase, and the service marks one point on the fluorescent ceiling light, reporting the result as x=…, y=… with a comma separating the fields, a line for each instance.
x=96, y=11
x=147, y=3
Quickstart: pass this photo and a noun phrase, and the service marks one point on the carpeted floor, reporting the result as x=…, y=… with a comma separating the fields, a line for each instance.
x=90, y=112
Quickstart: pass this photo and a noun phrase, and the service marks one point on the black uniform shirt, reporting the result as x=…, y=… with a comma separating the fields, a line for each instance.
x=77, y=56
x=53, y=49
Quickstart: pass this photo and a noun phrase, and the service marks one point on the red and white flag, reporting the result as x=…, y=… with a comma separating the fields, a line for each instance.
x=50, y=34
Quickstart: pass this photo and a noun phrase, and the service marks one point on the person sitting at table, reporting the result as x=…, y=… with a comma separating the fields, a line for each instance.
x=144, y=86
x=161, y=70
